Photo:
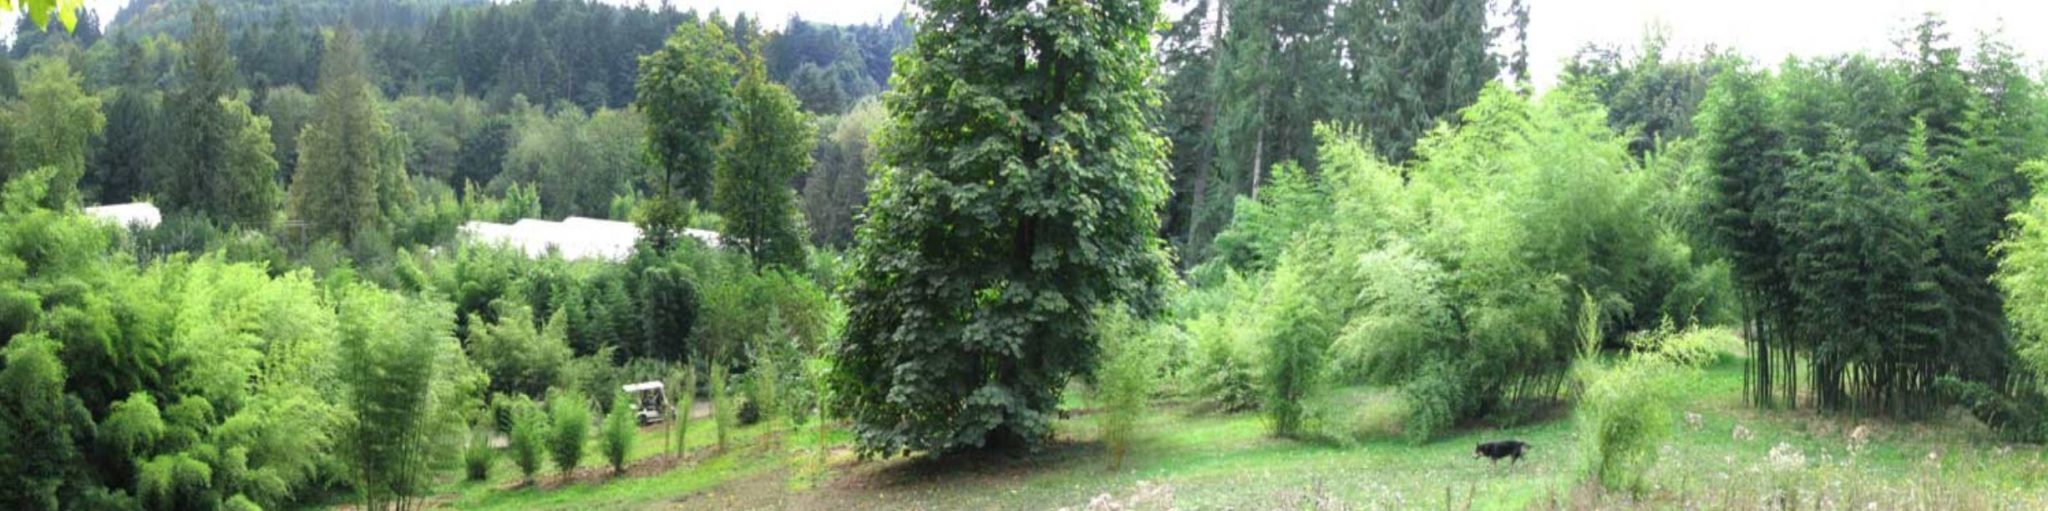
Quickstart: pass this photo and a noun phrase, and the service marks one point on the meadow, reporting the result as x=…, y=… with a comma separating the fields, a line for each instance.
x=1733, y=457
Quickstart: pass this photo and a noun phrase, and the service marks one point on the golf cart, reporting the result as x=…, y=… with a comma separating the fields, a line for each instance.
x=650, y=401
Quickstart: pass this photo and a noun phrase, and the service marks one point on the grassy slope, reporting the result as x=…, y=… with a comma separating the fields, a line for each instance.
x=1202, y=461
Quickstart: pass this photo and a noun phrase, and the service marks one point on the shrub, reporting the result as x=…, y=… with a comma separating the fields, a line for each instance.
x=1622, y=417
x=1297, y=341
x=568, y=428
x=1123, y=380
x=764, y=391
x=476, y=459
x=1225, y=370
x=1436, y=397
x=686, y=398
x=1689, y=347
x=819, y=371
x=723, y=413
x=618, y=434
x=529, y=439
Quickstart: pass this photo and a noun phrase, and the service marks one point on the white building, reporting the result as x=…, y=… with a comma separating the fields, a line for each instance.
x=133, y=214
x=576, y=238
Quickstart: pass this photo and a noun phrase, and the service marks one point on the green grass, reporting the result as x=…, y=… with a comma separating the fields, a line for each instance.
x=1194, y=460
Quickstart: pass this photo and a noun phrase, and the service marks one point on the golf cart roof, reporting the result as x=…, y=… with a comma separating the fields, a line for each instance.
x=643, y=386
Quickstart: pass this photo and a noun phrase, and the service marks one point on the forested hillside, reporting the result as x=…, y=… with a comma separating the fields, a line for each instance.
x=408, y=254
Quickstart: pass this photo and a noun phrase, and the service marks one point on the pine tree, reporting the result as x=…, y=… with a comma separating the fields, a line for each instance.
x=10, y=87
x=1278, y=74
x=1415, y=63
x=205, y=131
x=1187, y=74
x=1021, y=191
x=335, y=191
x=768, y=145
x=132, y=147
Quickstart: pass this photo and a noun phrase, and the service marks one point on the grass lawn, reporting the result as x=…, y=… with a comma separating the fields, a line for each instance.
x=1730, y=457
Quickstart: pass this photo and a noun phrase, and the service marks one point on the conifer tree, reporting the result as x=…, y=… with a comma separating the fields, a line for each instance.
x=342, y=153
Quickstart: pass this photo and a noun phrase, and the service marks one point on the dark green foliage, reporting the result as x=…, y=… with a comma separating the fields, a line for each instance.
x=10, y=84
x=131, y=148
x=1187, y=74
x=1858, y=200
x=685, y=89
x=1652, y=95
x=1007, y=214
x=1249, y=99
x=830, y=68
x=1277, y=75
x=836, y=187
x=768, y=145
x=483, y=155
x=53, y=26
x=220, y=167
x=668, y=313
x=1414, y=63
x=568, y=428
x=577, y=163
x=290, y=108
x=347, y=179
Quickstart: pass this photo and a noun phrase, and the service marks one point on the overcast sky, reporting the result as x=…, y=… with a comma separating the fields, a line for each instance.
x=1767, y=30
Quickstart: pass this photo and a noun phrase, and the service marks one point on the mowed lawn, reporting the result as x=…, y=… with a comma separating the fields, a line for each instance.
x=1730, y=456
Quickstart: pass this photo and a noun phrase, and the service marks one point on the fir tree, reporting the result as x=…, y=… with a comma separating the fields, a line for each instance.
x=342, y=159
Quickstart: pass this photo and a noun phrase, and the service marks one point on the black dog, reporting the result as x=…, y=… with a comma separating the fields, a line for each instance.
x=1501, y=449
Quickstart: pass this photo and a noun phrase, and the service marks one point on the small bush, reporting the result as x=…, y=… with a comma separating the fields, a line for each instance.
x=618, y=434
x=1124, y=379
x=1689, y=347
x=568, y=428
x=723, y=413
x=686, y=398
x=1436, y=398
x=819, y=370
x=1224, y=372
x=529, y=439
x=477, y=457
x=1622, y=418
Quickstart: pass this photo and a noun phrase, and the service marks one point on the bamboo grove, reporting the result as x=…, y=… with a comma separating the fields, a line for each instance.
x=1858, y=199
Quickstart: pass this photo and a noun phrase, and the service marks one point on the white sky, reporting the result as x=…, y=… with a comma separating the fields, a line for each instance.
x=1767, y=30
